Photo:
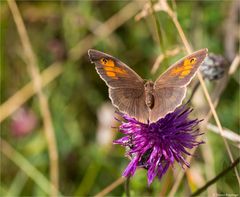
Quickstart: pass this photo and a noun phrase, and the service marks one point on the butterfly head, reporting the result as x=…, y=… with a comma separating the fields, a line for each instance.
x=148, y=85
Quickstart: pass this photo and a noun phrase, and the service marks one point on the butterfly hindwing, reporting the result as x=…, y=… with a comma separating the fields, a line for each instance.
x=165, y=101
x=130, y=101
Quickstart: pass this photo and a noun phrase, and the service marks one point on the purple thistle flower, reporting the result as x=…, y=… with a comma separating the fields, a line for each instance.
x=156, y=146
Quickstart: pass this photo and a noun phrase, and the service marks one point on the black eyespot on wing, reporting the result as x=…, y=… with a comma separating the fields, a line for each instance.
x=192, y=60
x=95, y=55
x=104, y=60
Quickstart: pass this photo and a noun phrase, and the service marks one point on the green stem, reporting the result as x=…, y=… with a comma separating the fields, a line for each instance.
x=127, y=187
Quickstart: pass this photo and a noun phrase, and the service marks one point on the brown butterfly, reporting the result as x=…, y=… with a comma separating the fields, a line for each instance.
x=146, y=101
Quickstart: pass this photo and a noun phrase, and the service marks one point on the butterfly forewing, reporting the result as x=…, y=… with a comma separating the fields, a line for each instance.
x=181, y=73
x=115, y=73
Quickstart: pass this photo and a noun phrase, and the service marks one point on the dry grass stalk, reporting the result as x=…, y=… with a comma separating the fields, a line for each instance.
x=34, y=73
x=235, y=64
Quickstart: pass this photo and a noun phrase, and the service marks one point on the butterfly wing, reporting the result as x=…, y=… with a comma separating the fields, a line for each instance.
x=170, y=88
x=126, y=88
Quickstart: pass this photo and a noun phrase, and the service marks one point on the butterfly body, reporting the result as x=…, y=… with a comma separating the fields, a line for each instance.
x=146, y=101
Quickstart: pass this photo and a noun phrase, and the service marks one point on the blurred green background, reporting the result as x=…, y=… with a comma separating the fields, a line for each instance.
x=62, y=32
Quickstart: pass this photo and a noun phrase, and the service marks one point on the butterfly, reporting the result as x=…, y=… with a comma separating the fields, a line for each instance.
x=145, y=100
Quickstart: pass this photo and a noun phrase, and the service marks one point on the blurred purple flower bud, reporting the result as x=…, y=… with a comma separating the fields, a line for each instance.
x=213, y=67
x=23, y=122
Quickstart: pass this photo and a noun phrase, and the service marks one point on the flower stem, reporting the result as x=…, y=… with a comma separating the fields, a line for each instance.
x=127, y=187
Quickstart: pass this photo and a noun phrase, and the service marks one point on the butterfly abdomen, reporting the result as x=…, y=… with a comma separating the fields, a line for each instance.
x=149, y=100
x=148, y=86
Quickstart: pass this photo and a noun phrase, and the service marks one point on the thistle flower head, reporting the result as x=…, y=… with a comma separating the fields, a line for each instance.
x=155, y=146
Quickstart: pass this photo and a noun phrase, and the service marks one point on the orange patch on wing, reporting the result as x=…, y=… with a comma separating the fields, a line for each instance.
x=111, y=74
x=189, y=62
x=176, y=71
x=110, y=68
x=115, y=70
x=120, y=71
x=107, y=62
x=184, y=73
x=183, y=70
